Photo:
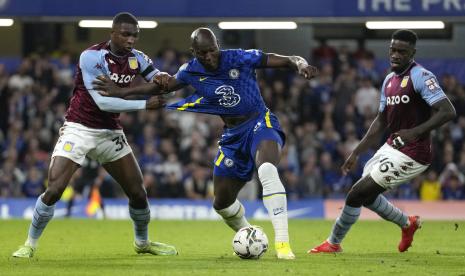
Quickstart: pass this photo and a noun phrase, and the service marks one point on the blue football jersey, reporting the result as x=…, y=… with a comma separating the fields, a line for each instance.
x=231, y=90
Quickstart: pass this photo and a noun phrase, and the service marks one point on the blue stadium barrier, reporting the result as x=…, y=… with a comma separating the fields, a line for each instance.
x=166, y=209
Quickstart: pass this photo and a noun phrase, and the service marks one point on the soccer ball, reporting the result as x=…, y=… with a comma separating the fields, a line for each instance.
x=250, y=242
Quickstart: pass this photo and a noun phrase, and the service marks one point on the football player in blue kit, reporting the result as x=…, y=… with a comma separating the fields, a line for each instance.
x=226, y=85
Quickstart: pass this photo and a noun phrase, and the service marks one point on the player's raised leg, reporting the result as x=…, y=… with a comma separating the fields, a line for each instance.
x=365, y=190
x=60, y=172
x=127, y=173
x=226, y=203
x=274, y=195
x=389, y=212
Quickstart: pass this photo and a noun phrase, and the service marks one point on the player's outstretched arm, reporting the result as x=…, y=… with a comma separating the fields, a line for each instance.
x=372, y=136
x=162, y=83
x=107, y=87
x=444, y=111
x=294, y=62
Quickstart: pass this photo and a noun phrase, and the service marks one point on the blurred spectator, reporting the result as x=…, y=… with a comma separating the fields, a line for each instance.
x=22, y=81
x=34, y=184
x=310, y=181
x=452, y=182
x=323, y=53
x=453, y=189
x=11, y=178
x=366, y=98
x=172, y=187
x=199, y=185
x=362, y=52
x=430, y=188
x=331, y=177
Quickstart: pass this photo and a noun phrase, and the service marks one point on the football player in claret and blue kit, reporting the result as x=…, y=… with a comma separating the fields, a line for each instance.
x=412, y=105
x=92, y=129
x=226, y=85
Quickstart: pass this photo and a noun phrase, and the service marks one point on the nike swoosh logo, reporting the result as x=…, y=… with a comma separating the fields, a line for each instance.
x=203, y=78
x=277, y=213
x=298, y=212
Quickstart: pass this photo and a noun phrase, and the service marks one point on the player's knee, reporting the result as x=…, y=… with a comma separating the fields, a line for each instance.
x=219, y=203
x=269, y=177
x=232, y=210
x=370, y=199
x=138, y=199
x=52, y=195
x=354, y=198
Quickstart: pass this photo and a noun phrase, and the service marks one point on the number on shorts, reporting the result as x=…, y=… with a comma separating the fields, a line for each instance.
x=385, y=164
x=119, y=141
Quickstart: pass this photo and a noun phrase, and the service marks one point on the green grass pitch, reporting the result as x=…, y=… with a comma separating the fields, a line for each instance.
x=100, y=247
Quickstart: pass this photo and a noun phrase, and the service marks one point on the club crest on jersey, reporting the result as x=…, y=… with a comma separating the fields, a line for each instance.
x=228, y=162
x=133, y=63
x=404, y=81
x=234, y=74
x=68, y=146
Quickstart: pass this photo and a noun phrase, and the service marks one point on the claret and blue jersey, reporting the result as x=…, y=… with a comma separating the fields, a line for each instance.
x=406, y=99
x=87, y=106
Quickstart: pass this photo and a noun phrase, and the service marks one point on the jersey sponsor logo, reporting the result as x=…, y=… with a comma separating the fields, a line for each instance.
x=98, y=66
x=389, y=85
x=68, y=146
x=432, y=84
x=393, y=100
x=133, y=64
x=203, y=78
x=234, y=74
x=116, y=78
x=229, y=97
x=404, y=81
x=228, y=162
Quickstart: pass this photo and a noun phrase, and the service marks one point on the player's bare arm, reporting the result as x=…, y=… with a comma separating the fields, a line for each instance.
x=162, y=83
x=155, y=102
x=107, y=87
x=372, y=136
x=167, y=82
x=444, y=111
x=295, y=62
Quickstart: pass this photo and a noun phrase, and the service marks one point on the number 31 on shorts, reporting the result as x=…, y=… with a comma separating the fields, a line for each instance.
x=120, y=142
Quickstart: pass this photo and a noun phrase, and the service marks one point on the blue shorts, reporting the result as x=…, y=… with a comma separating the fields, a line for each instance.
x=237, y=147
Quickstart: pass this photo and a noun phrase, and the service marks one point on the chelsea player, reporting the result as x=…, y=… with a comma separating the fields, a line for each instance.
x=226, y=85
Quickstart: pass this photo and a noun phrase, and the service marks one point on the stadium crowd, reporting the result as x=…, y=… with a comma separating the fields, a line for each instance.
x=323, y=118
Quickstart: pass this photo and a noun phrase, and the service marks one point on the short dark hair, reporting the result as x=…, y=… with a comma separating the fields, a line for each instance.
x=406, y=35
x=125, y=17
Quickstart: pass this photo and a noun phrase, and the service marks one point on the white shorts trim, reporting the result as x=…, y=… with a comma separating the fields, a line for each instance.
x=103, y=145
x=390, y=167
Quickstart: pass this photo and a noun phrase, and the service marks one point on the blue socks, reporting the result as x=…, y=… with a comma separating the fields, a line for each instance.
x=141, y=219
x=387, y=211
x=349, y=216
x=41, y=216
